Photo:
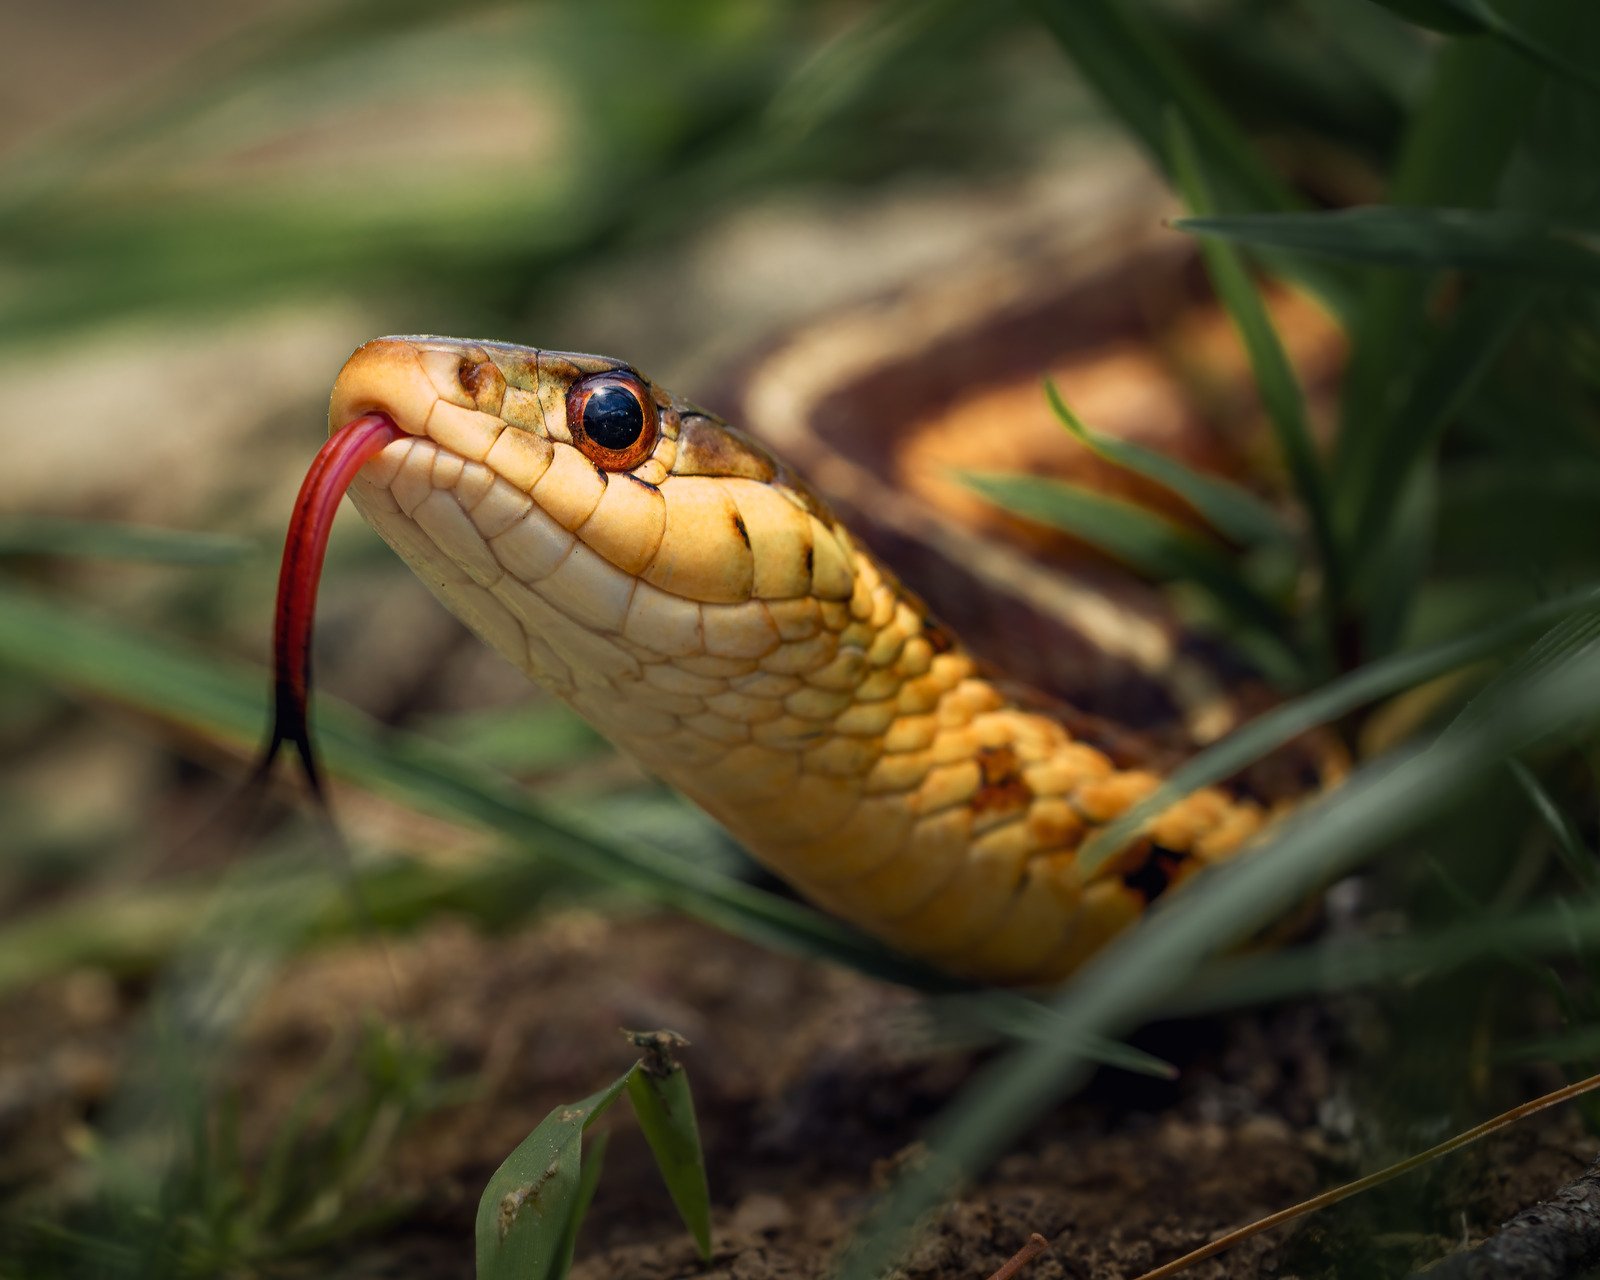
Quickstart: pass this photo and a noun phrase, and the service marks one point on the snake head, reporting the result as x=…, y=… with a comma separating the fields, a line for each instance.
x=578, y=516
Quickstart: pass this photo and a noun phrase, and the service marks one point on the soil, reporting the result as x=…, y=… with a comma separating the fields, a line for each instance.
x=811, y=1085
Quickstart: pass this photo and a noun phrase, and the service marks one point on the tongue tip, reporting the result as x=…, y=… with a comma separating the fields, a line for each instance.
x=346, y=451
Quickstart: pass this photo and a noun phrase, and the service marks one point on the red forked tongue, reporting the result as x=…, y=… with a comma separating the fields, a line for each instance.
x=335, y=466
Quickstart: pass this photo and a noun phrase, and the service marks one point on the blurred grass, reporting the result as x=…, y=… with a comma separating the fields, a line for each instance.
x=1457, y=498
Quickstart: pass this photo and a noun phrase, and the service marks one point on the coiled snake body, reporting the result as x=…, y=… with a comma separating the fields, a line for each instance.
x=702, y=607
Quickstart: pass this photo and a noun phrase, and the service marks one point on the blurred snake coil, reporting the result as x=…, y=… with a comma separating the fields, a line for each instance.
x=696, y=601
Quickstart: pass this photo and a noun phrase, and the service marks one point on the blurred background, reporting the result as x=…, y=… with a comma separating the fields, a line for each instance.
x=228, y=1047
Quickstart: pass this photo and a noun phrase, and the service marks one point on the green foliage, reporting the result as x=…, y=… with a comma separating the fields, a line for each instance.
x=209, y=1213
x=533, y=1206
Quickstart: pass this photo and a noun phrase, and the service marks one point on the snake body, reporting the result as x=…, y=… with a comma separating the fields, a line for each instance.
x=691, y=597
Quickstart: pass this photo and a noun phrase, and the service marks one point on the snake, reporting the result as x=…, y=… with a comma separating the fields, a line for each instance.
x=696, y=600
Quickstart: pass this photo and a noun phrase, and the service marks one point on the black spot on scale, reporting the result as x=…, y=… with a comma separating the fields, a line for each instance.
x=744, y=534
x=1155, y=873
x=811, y=559
x=654, y=488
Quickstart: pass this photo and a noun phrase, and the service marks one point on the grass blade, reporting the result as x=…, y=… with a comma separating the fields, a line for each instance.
x=659, y=1091
x=1371, y=682
x=1150, y=543
x=1552, y=928
x=1140, y=78
x=525, y=1215
x=1380, y=803
x=1232, y=510
x=228, y=703
x=1444, y=381
x=1457, y=146
x=1478, y=17
x=589, y=1171
x=1275, y=378
x=99, y=540
x=1491, y=240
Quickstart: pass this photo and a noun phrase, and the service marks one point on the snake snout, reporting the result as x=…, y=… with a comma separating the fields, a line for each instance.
x=385, y=376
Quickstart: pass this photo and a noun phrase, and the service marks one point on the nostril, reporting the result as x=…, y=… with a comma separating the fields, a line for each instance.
x=483, y=381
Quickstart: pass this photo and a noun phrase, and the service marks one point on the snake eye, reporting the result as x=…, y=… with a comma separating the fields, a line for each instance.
x=612, y=419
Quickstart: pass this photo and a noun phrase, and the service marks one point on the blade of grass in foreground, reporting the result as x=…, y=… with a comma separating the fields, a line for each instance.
x=1494, y=240
x=227, y=702
x=1368, y=684
x=1553, y=928
x=1233, y=511
x=1478, y=17
x=1151, y=543
x=1380, y=803
x=1274, y=376
x=1459, y=139
x=1140, y=78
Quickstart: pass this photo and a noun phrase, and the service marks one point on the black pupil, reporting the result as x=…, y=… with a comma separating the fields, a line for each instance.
x=612, y=417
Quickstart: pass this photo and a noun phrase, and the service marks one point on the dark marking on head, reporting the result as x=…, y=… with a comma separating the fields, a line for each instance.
x=1154, y=873
x=739, y=528
x=482, y=379
x=1001, y=786
x=811, y=559
x=707, y=447
x=637, y=480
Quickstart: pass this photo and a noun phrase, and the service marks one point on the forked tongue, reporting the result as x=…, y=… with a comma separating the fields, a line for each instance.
x=335, y=466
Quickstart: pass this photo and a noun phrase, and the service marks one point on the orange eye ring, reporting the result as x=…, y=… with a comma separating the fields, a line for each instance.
x=612, y=419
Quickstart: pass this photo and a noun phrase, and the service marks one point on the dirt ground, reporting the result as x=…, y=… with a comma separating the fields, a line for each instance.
x=811, y=1084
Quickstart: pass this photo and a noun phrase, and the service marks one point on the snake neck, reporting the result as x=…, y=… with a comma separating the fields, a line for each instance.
x=707, y=612
x=852, y=745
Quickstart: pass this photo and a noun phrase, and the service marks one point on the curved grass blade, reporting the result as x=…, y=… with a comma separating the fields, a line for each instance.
x=1368, y=684
x=1554, y=928
x=223, y=702
x=1230, y=509
x=526, y=1213
x=1150, y=543
x=1140, y=78
x=1382, y=802
x=1275, y=378
x=1496, y=240
x=1478, y=17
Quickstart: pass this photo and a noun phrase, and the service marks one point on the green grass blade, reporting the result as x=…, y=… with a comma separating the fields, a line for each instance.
x=1128, y=64
x=1230, y=509
x=1478, y=17
x=589, y=1171
x=526, y=1211
x=1550, y=928
x=1578, y=860
x=1461, y=135
x=1444, y=381
x=1490, y=240
x=1375, y=680
x=1147, y=542
x=228, y=702
x=665, y=1110
x=1139, y=77
x=1436, y=15
x=1275, y=378
x=100, y=540
x=1382, y=802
